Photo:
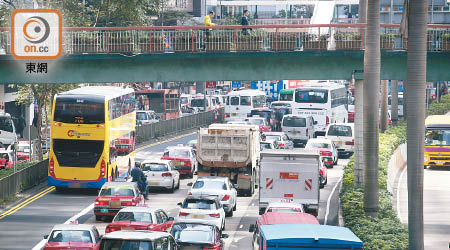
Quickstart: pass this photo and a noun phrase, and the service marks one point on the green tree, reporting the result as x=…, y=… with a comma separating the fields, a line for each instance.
x=42, y=96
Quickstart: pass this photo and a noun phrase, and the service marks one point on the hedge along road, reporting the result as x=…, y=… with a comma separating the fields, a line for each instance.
x=24, y=225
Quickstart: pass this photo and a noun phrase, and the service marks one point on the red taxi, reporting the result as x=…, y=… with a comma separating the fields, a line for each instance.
x=116, y=195
x=261, y=122
x=6, y=158
x=274, y=218
x=140, y=218
x=183, y=157
x=23, y=152
x=72, y=236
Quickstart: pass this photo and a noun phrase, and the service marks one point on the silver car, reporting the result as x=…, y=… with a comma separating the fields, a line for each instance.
x=161, y=174
x=280, y=139
x=216, y=186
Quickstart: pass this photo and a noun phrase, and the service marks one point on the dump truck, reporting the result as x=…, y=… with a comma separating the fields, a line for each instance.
x=290, y=176
x=231, y=151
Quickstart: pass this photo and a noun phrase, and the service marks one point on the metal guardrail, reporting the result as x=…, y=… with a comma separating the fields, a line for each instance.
x=177, y=125
x=37, y=173
x=232, y=38
x=23, y=179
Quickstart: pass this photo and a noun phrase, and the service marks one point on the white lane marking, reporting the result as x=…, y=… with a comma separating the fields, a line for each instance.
x=77, y=216
x=329, y=199
x=41, y=244
x=399, y=215
x=241, y=226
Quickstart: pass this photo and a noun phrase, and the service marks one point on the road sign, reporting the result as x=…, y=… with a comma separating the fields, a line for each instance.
x=272, y=88
x=236, y=84
x=211, y=85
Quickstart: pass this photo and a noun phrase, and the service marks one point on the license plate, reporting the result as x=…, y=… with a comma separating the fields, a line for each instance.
x=233, y=114
x=128, y=229
x=440, y=162
x=104, y=210
x=153, y=183
x=294, y=133
x=115, y=204
x=340, y=143
x=198, y=216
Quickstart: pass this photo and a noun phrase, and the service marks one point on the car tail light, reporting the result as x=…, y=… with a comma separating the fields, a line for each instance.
x=227, y=115
x=306, y=132
x=183, y=214
x=328, y=120
x=101, y=203
x=167, y=174
x=187, y=164
x=215, y=215
x=103, y=168
x=51, y=167
x=350, y=142
x=281, y=145
x=189, y=193
x=326, y=153
x=226, y=197
x=128, y=203
x=212, y=247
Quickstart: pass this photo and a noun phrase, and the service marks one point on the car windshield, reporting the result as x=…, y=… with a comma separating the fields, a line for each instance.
x=24, y=148
x=202, y=235
x=177, y=152
x=134, y=216
x=121, y=191
x=198, y=103
x=124, y=244
x=199, y=204
x=141, y=116
x=340, y=130
x=210, y=185
x=273, y=138
x=437, y=137
x=317, y=145
x=70, y=235
x=311, y=96
x=256, y=121
x=294, y=122
x=6, y=124
x=184, y=100
x=265, y=146
x=154, y=167
x=246, y=101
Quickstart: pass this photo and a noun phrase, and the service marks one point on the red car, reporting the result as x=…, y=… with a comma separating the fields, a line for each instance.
x=184, y=159
x=140, y=218
x=125, y=145
x=116, y=195
x=23, y=153
x=6, y=157
x=261, y=122
x=72, y=236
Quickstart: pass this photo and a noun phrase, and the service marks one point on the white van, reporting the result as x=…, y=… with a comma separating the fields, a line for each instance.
x=298, y=128
x=8, y=134
x=342, y=134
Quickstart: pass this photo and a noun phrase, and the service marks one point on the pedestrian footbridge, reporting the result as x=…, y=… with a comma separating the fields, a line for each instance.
x=190, y=53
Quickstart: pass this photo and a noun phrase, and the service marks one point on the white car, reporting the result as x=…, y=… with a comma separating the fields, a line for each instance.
x=342, y=134
x=203, y=209
x=161, y=174
x=145, y=117
x=285, y=207
x=216, y=186
x=299, y=128
x=280, y=139
x=263, y=145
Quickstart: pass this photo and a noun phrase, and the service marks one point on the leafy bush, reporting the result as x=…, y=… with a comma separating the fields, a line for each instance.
x=7, y=171
x=386, y=231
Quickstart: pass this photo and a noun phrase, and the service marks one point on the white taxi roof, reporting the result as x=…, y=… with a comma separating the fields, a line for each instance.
x=156, y=161
x=136, y=235
x=73, y=227
x=139, y=209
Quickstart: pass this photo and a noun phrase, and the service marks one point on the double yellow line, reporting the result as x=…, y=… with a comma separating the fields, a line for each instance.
x=50, y=189
x=26, y=202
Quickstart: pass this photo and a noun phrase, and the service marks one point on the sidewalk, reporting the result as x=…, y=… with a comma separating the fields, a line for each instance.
x=436, y=205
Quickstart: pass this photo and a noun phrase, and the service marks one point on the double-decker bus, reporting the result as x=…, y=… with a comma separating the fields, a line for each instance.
x=325, y=102
x=437, y=141
x=88, y=125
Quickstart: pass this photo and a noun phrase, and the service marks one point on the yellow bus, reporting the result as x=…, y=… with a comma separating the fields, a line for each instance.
x=437, y=141
x=90, y=128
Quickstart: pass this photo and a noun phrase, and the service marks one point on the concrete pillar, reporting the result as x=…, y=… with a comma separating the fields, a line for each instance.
x=384, y=106
x=394, y=102
x=358, y=166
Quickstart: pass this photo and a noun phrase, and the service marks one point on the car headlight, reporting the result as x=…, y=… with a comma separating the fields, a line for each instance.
x=425, y=158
